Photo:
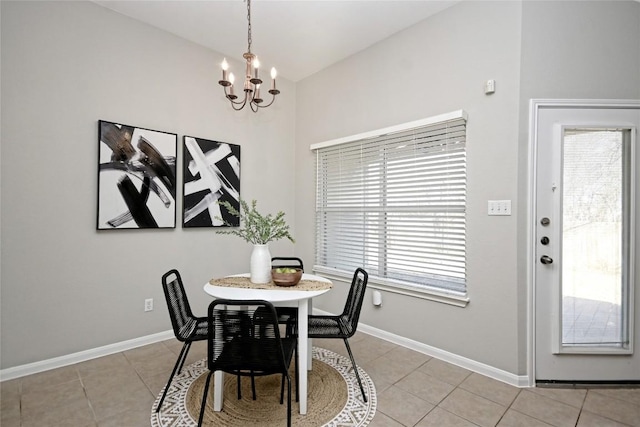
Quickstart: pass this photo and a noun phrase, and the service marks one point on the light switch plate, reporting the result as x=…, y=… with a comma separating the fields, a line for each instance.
x=499, y=207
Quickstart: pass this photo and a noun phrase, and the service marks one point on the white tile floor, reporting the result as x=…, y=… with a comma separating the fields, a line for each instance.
x=412, y=389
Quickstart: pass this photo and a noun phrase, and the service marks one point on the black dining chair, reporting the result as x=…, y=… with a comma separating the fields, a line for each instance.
x=243, y=344
x=187, y=328
x=286, y=261
x=345, y=324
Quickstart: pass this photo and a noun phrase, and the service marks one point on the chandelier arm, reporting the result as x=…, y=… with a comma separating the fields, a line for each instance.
x=234, y=103
x=241, y=105
x=244, y=101
x=232, y=98
x=273, y=98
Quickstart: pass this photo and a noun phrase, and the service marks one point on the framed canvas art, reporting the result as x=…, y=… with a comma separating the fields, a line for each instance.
x=136, y=177
x=211, y=172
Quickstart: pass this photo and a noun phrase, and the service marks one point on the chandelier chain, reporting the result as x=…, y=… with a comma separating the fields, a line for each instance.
x=249, y=26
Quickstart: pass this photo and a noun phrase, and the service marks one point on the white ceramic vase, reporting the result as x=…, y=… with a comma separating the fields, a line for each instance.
x=260, y=264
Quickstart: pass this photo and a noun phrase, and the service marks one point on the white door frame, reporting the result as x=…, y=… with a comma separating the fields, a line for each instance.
x=535, y=105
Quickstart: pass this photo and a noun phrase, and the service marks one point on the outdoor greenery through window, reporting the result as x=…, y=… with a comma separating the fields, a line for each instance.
x=393, y=202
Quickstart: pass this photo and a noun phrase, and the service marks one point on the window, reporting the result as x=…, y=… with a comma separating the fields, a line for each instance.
x=597, y=226
x=393, y=201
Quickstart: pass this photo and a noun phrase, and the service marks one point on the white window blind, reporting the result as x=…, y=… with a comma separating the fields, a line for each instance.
x=393, y=202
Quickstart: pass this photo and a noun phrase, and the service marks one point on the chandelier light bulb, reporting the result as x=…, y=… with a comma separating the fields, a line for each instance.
x=232, y=78
x=256, y=97
x=274, y=74
x=225, y=67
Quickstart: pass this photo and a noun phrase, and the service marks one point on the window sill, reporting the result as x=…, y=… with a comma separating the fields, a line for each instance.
x=451, y=298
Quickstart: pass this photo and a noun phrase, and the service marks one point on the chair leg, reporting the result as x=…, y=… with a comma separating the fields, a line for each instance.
x=288, y=401
x=295, y=357
x=253, y=386
x=204, y=398
x=176, y=368
x=186, y=347
x=355, y=368
x=291, y=328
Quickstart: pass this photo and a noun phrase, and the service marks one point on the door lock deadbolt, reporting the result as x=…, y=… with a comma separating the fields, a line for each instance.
x=544, y=240
x=546, y=259
x=545, y=221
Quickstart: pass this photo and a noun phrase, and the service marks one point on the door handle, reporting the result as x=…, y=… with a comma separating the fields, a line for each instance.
x=546, y=259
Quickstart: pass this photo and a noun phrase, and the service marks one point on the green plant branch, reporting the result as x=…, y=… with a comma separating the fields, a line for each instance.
x=257, y=229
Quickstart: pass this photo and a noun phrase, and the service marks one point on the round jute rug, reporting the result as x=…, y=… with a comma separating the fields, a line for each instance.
x=334, y=398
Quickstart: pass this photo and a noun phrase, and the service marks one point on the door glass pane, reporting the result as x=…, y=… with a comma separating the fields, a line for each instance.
x=595, y=244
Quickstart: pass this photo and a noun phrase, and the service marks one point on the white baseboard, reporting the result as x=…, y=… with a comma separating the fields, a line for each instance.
x=463, y=362
x=70, y=359
x=472, y=365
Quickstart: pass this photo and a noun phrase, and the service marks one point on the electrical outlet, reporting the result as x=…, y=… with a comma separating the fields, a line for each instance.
x=490, y=87
x=148, y=304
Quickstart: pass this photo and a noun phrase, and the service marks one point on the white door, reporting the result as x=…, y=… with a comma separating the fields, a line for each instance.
x=585, y=308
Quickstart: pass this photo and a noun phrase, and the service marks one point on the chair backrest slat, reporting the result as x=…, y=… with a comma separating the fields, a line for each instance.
x=287, y=261
x=178, y=305
x=353, y=305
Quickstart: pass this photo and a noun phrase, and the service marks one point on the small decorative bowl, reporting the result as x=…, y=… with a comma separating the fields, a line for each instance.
x=289, y=278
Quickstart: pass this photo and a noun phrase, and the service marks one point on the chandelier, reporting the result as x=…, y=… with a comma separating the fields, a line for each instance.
x=252, y=81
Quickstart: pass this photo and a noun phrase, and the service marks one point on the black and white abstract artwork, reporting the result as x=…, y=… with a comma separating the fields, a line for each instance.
x=136, y=177
x=211, y=174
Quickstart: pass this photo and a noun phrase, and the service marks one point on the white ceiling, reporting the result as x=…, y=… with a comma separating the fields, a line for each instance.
x=298, y=37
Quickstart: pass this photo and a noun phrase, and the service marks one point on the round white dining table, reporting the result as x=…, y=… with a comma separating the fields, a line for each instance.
x=285, y=297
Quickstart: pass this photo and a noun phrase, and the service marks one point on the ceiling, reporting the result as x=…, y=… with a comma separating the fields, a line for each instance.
x=298, y=37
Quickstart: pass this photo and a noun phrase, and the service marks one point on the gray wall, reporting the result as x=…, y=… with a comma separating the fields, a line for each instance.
x=588, y=49
x=532, y=50
x=434, y=67
x=572, y=50
x=66, y=65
